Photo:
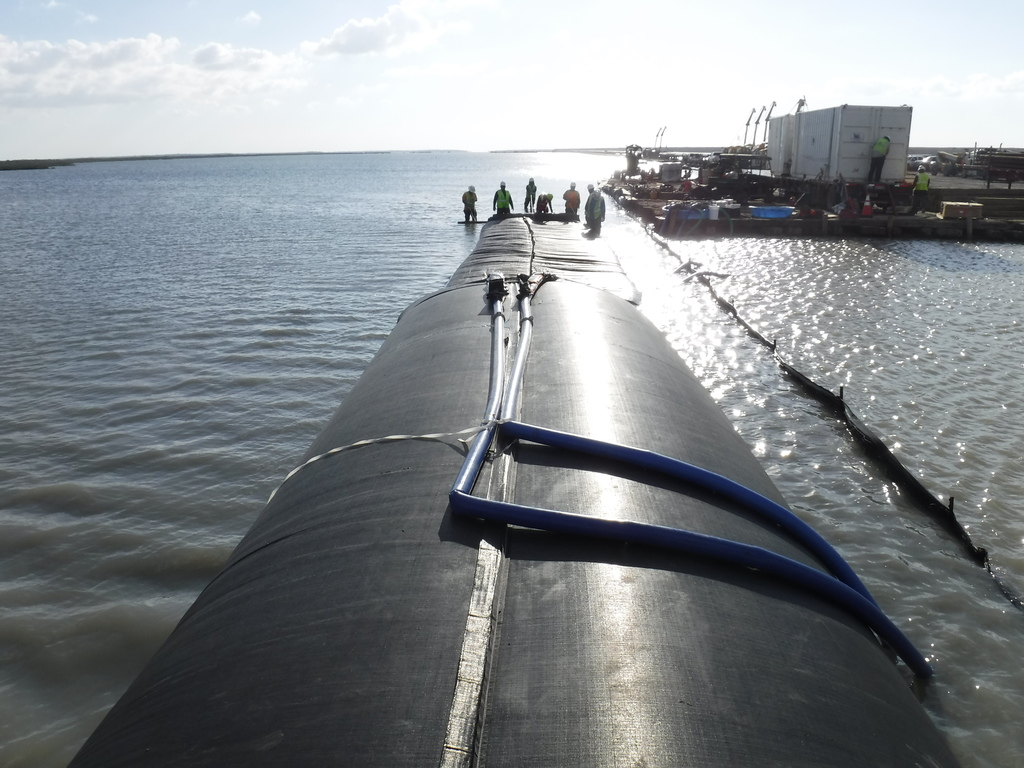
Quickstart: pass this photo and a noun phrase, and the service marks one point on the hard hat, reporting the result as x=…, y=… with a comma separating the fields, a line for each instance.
x=531, y=179
x=503, y=183
x=590, y=187
x=550, y=196
x=887, y=138
x=472, y=188
x=572, y=185
x=921, y=168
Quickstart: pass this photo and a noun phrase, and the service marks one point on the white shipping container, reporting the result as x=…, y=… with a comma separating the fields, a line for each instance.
x=836, y=142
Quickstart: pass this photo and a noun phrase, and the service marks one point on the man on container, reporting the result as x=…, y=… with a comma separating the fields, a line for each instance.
x=921, y=184
x=502, y=201
x=594, y=211
x=879, y=151
x=469, y=203
x=572, y=201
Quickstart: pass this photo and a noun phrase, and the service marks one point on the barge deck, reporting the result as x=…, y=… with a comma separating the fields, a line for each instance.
x=989, y=214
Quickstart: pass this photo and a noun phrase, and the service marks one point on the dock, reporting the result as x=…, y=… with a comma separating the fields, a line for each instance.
x=957, y=209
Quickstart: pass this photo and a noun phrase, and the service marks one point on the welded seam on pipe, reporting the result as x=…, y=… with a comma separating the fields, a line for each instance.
x=465, y=715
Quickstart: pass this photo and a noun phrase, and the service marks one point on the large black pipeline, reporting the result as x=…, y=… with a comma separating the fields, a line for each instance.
x=844, y=589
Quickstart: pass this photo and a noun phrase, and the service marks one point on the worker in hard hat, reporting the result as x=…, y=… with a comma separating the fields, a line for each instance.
x=531, y=196
x=502, y=201
x=879, y=151
x=922, y=182
x=594, y=211
x=572, y=201
x=469, y=203
x=544, y=203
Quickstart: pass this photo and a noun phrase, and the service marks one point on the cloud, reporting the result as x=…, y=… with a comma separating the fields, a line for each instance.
x=970, y=87
x=221, y=56
x=251, y=19
x=987, y=86
x=402, y=28
x=455, y=6
x=973, y=87
x=363, y=94
x=81, y=17
x=434, y=71
x=137, y=69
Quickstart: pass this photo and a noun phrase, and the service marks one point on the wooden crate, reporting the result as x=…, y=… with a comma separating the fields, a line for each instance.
x=953, y=210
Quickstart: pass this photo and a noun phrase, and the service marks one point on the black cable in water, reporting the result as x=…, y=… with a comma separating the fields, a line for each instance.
x=875, y=449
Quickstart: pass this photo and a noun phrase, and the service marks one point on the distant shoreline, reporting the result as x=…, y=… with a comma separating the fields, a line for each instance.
x=37, y=165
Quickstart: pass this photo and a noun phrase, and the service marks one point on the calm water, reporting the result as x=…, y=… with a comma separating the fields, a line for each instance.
x=177, y=332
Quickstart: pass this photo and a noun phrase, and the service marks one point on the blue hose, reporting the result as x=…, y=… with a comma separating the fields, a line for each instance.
x=705, y=546
x=702, y=478
x=845, y=590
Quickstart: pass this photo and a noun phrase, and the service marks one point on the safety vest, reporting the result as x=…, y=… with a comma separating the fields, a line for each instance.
x=595, y=207
x=923, y=181
x=881, y=148
x=572, y=199
x=503, y=198
x=469, y=199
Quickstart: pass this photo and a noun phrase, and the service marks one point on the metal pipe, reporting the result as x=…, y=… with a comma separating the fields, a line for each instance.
x=478, y=450
x=766, y=119
x=745, y=130
x=757, y=123
x=515, y=379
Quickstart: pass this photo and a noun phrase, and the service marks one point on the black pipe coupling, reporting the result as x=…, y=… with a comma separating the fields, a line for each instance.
x=496, y=287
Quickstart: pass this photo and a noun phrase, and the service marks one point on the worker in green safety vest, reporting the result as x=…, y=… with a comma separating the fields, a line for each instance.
x=922, y=182
x=502, y=201
x=879, y=151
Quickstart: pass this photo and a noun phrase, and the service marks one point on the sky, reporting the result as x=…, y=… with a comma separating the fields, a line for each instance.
x=100, y=78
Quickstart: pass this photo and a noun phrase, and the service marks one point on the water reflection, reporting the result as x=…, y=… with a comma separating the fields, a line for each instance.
x=923, y=336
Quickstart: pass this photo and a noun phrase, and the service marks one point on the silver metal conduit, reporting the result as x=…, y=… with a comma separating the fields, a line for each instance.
x=496, y=389
x=515, y=380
